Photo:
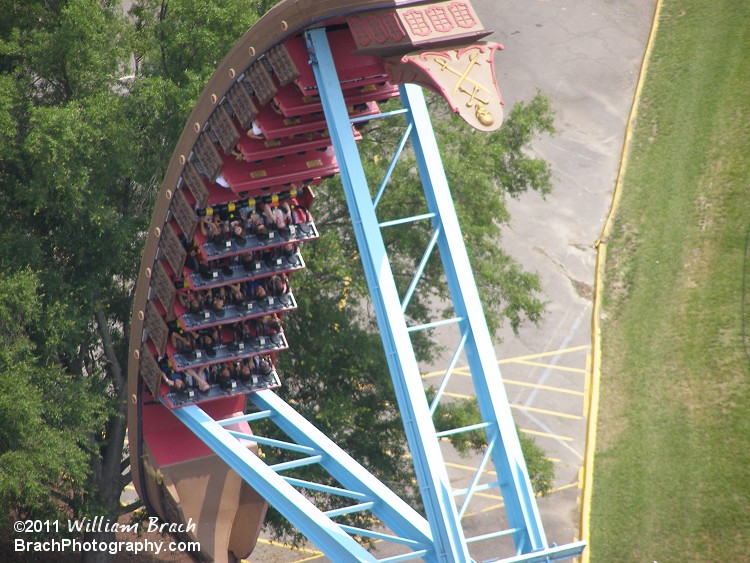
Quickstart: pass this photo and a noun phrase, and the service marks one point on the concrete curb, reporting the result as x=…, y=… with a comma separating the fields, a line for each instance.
x=592, y=397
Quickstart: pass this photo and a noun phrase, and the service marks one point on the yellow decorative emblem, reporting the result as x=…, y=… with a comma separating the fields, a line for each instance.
x=464, y=76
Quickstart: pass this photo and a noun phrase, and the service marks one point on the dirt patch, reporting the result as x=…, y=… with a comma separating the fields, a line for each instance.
x=621, y=249
x=583, y=289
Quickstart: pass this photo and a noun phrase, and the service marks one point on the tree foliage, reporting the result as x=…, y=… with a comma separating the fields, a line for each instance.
x=92, y=101
x=46, y=414
x=464, y=413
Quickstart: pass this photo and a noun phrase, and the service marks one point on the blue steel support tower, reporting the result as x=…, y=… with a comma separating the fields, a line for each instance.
x=503, y=446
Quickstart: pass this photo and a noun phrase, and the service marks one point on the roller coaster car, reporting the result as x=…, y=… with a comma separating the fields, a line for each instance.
x=252, y=269
x=245, y=176
x=236, y=312
x=302, y=144
x=270, y=239
x=257, y=138
x=293, y=102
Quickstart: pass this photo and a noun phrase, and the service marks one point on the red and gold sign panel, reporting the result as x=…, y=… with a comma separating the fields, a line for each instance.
x=414, y=42
x=387, y=31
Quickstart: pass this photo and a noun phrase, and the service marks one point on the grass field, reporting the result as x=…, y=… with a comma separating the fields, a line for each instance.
x=672, y=467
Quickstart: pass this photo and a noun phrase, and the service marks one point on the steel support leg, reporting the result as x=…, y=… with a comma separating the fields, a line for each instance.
x=518, y=494
x=432, y=475
x=335, y=541
x=391, y=509
x=328, y=535
x=450, y=543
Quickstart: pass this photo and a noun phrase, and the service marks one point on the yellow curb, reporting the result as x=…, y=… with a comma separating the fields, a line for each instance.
x=601, y=246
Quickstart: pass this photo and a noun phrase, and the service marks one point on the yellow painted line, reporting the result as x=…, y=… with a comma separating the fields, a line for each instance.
x=545, y=411
x=272, y=543
x=544, y=354
x=489, y=496
x=466, y=373
x=601, y=255
x=500, y=498
x=440, y=373
x=313, y=558
x=468, y=468
x=482, y=495
x=586, y=386
x=522, y=407
x=551, y=366
x=545, y=435
x=464, y=370
x=564, y=487
x=457, y=395
x=535, y=386
x=502, y=504
x=544, y=387
x=485, y=510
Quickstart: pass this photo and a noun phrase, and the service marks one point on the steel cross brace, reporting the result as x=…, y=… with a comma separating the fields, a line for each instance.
x=391, y=509
x=331, y=538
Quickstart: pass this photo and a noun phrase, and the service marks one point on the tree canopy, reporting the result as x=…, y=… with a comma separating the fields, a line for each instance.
x=92, y=101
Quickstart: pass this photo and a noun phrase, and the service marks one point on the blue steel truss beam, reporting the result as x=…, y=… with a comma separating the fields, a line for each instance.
x=432, y=475
x=330, y=538
x=444, y=519
x=391, y=509
x=518, y=494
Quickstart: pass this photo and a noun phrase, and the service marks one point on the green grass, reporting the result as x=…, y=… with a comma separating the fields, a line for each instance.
x=672, y=469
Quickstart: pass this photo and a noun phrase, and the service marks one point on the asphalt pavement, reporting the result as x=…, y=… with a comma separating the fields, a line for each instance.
x=585, y=56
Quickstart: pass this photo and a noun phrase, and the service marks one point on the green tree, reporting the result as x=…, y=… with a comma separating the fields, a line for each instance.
x=84, y=147
x=46, y=414
x=68, y=175
x=463, y=413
